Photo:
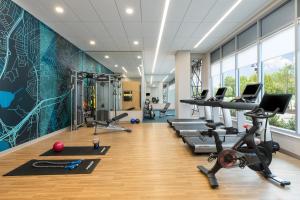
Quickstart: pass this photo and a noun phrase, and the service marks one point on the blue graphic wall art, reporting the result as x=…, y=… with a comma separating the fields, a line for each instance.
x=35, y=65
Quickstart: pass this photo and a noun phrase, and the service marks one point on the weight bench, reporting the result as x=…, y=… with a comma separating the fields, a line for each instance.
x=112, y=124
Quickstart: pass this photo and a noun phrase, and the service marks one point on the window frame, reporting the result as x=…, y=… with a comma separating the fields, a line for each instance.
x=260, y=76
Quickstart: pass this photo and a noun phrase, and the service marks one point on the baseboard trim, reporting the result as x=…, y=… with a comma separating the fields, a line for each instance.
x=284, y=151
x=26, y=144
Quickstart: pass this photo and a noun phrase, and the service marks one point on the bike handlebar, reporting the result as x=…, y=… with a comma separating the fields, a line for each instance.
x=260, y=113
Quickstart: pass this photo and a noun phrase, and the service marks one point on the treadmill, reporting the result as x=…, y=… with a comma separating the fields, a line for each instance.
x=172, y=122
x=193, y=130
x=204, y=144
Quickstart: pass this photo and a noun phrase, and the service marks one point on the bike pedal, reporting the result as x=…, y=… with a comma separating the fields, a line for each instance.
x=212, y=157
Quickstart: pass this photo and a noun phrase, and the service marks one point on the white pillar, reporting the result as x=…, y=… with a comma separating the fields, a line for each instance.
x=160, y=91
x=205, y=74
x=182, y=83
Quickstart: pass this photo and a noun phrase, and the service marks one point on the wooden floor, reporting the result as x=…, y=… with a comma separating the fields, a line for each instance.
x=149, y=163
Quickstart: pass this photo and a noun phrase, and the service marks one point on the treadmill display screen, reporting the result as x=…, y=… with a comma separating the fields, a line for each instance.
x=270, y=102
x=221, y=92
x=251, y=90
x=204, y=94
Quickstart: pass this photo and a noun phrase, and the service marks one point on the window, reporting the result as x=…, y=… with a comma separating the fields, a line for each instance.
x=228, y=75
x=247, y=68
x=279, y=73
x=165, y=93
x=215, y=77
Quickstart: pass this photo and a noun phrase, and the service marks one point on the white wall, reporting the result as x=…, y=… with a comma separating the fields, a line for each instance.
x=171, y=93
x=156, y=91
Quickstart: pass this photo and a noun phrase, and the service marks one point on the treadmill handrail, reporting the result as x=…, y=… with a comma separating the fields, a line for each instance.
x=238, y=105
x=188, y=101
x=212, y=103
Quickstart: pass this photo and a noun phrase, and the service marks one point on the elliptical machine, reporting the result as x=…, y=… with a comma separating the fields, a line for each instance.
x=250, y=151
x=148, y=110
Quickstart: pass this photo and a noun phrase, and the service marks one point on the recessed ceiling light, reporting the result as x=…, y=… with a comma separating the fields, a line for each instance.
x=218, y=23
x=124, y=69
x=139, y=57
x=151, y=80
x=136, y=42
x=92, y=42
x=129, y=11
x=161, y=30
x=106, y=56
x=116, y=65
x=59, y=9
x=172, y=70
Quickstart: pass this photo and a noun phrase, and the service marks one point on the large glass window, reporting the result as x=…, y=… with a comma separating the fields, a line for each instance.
x=247, y=67
x=215, y=76
x=228, y=75
x=279, y=73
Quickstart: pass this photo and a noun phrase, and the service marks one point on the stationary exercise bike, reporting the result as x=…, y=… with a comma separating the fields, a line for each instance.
x=250, y=151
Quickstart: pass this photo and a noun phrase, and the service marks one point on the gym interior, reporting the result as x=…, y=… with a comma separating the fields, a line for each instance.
x=149, y=99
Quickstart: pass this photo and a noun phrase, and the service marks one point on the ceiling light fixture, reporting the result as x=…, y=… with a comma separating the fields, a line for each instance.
x=129, y=11
x=136, y=42
x=139, y=57
x=116, y=65
x=165, y=78
x=106, y=56
x=92, y=42
x=218, y=22
x=172, y=70
x=162, y=25
x=151, y=80
x=59, y=9
x=124, y=69
x=139, y=71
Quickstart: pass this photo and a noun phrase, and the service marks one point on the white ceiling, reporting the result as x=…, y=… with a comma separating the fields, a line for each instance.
x=106, y=22
x=128, y=59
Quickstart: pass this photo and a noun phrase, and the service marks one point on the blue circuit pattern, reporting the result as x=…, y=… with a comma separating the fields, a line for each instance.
x=35, y=65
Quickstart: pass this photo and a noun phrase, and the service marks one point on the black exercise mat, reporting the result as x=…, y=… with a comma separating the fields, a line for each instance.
x=28, y=170
x=78, y=151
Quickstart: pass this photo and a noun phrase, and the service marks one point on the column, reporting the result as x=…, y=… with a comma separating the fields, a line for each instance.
x=182, y=83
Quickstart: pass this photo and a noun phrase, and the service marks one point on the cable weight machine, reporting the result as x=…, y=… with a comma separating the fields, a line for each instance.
x=93, y=96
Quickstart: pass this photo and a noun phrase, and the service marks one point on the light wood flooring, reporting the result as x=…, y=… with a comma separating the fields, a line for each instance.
x=149, y=163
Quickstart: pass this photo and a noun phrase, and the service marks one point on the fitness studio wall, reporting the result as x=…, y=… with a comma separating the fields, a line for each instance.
x=35, y=64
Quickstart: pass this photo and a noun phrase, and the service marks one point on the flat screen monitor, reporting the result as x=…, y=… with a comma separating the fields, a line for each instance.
x=127, y=95
x=221, y=93
x=147, y=94
x=252, y=90
x=204, y=94
x=270, y=102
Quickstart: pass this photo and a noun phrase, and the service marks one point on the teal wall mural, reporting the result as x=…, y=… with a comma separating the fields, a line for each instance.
x=35, y=68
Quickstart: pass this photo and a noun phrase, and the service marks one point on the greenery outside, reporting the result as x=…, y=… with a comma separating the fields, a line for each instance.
x=279, y=77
